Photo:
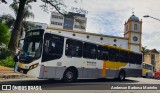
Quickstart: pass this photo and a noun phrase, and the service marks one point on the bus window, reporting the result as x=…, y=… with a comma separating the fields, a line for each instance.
x=131, y=58
x=113, y=55
x=73, y=48
x=89, y=50
x=123, y=57
x=139, y=58
x=102, y=53
x=53, y=47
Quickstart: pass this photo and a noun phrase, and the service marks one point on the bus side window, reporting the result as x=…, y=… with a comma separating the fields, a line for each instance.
x=53, y=47
x=123, y=57
x=113, y=55
x=89, y=50
x=102, y=53
x=73, y=48
x=132, y=58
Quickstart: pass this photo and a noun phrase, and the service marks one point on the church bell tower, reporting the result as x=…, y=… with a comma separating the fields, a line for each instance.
x=133, y=31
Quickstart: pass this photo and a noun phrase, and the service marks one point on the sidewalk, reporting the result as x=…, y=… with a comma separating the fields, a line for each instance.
x=8, y=73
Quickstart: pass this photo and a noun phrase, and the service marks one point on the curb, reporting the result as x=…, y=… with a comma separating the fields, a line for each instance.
x=12, y=76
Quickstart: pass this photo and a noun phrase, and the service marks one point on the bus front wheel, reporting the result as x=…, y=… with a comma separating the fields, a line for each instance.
x=69, y=76
x=122, y=75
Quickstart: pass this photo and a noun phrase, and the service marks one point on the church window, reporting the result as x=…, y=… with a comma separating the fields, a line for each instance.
x=135, y=26
x=127, y=28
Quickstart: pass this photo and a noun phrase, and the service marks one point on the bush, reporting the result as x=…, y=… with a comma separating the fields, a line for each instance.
x=4, y=53
x=8, y=62
x=4, y=34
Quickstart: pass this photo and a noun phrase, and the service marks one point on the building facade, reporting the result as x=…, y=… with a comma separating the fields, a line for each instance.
x=75, y=21
x=131, y=40
x=152, y=57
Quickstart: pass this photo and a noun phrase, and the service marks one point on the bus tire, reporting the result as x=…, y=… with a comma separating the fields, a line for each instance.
x=122, y=75
x=69, y=76
x=147, y=75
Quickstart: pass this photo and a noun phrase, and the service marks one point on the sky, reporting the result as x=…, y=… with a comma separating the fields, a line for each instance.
x=108, y=16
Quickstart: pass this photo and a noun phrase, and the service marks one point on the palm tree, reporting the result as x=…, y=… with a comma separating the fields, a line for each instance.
x=143, y=51
x=27, y=13
x=20, y=14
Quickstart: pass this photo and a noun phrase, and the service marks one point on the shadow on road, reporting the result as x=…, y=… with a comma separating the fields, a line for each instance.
x=81, y=84
x=51, y=81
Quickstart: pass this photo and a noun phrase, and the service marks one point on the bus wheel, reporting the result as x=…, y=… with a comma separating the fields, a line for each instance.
x=122, y=75
x=69, y=76
x=147, y=75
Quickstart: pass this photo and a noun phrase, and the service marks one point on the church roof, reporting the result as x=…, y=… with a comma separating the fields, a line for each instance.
x=134, y=18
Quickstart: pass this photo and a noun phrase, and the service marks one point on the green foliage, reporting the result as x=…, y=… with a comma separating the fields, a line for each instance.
x=8, y=62
x=8, y=19
x=4, y=53
x=27, y=9
x=4, y=34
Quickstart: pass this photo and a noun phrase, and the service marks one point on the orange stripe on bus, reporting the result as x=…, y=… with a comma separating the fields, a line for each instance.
x=104, y=69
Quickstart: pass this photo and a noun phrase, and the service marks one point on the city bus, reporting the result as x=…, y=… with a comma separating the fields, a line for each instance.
x=147, y=70
x=49, y=55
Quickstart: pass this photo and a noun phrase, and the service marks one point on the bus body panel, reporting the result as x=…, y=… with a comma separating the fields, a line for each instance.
x=86, y=67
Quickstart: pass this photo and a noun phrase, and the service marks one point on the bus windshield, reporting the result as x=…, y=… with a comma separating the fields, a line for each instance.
x=32, y=46
x=147, y=66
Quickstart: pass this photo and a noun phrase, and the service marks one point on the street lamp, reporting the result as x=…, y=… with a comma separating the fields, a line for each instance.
x=151, y=17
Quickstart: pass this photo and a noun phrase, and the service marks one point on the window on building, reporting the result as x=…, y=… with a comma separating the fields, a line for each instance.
x=135, y=27
x=57, y=17
x=89, y=50
x=73, y=48
x=80, y=21
x=79, y=27
x=56, y=23
x=153, y=59
x=126, y=27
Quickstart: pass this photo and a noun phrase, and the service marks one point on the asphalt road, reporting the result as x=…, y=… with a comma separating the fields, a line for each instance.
x=85, y=84
x=82, y=84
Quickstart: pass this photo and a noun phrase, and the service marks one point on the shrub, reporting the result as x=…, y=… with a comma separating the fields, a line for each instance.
x=8, y=62
x=4, y=53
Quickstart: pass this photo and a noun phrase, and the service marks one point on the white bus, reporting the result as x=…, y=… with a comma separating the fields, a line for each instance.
x=49, y=55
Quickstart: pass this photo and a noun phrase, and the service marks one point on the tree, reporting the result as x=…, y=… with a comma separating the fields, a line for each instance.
x=18, y=24
x=27, y=14
x=7, y=19
x=57, y=4
x=3, y=1
x=143, y=51
x=27, y=8
x=4, y=34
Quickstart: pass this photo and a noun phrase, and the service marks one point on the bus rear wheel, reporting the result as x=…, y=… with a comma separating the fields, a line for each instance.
x=69, y=76
x=122, y=75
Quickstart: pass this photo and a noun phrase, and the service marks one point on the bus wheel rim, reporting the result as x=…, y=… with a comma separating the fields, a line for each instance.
x=121, y=76
x=69, y=75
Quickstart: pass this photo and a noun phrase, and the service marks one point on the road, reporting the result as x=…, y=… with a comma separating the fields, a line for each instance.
x=91, y=84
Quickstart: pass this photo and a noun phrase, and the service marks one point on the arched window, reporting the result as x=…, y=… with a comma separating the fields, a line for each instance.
x=127, y=28
x=135, y=27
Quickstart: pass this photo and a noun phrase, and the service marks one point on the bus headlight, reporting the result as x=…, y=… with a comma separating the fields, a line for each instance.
x=33, y=66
